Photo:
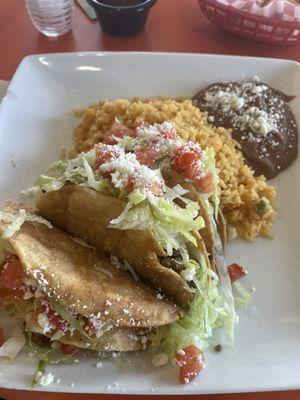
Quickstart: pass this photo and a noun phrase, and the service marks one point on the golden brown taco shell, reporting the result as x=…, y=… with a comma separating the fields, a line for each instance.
x=84, y=281
x=85, y=213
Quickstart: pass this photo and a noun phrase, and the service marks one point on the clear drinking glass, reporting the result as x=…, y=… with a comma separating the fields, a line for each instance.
x=51, y=17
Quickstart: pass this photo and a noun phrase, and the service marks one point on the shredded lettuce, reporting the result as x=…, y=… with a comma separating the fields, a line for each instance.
x=51, y=355
x=208, y=310
x=77, y=171
x=65, y=314
x=209, y=165
x=16, y=221
x=92, y=182
x=213, y=305
x=225, y=287
x=242, y=297
x=48, y=183
x=12, y=346
x=175, y=193
x=168, y=222
x=57, y=335
x=136, y=197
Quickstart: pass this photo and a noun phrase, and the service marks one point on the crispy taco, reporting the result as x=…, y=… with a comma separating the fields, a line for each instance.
x=151, y=201
x=71, y=294
x=181, y=163
x=124, y=208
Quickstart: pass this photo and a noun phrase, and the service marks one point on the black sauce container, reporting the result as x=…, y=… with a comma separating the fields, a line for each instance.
x=122, y=17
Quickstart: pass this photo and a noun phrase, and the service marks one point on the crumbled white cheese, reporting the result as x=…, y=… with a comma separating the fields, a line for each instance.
x=237, y=102
x=225, y=100
x=44, y=379
x=95, y=320
x=44, y=322
x=152, y=135
x=258, y=120
x=160, y=359
x=39, y=276
x=125, y=167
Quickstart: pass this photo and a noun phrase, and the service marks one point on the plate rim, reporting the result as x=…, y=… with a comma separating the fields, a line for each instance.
x=150, y=54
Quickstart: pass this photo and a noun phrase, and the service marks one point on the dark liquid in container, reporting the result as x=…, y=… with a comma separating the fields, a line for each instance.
x=122, y=3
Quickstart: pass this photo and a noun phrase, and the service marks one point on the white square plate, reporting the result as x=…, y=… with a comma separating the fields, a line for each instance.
x=36, y=121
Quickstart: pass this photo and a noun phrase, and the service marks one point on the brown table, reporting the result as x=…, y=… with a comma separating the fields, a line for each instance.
x=173, y=25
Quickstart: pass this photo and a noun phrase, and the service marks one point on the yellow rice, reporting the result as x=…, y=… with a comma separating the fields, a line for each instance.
x=240, y=190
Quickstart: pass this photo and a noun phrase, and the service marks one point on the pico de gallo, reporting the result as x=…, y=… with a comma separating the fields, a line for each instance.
x=159, y=145
x=125, y=171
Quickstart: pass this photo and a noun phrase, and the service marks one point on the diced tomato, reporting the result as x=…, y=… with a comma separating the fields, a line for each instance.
x=191, y=172
x=148, y=155
x=55, y=319
x=2, y=340
x=171, y=134
x=68, y=349
x=185, y=157
x=130, y=183
x=186, y=160
x=11, y=276
x=5, y=293
x=204, y=183
x=90, y=328
x=190, y=362
x=104, y=153
x=236, y=272
x=116, y=131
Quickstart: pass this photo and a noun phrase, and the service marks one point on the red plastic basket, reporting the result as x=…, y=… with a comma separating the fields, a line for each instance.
x=254, y=27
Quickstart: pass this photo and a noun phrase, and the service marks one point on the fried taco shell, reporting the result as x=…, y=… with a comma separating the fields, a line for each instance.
x=84, y=281
x=115, y=339
x=85, y=213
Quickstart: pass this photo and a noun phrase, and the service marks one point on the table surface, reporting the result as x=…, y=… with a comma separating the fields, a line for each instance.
x=173, y=25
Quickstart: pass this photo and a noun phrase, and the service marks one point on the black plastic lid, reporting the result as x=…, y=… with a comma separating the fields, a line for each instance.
x=122, y=6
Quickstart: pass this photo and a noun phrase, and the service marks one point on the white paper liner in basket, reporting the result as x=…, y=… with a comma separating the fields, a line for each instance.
x=283, y=10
